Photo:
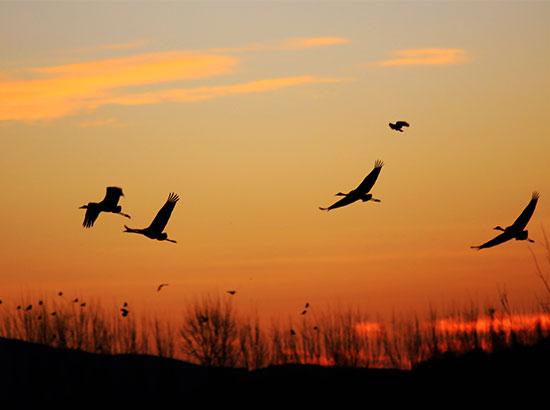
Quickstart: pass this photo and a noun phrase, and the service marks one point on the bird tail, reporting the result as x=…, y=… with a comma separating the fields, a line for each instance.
x=476, y=247
x=131, y=230
x=324, y=209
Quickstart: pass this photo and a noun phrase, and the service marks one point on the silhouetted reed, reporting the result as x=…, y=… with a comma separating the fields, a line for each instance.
x=212, y=332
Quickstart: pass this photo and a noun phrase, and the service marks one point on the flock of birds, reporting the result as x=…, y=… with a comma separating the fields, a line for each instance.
x=110, y=204
x=362, y=193
x=515, y=231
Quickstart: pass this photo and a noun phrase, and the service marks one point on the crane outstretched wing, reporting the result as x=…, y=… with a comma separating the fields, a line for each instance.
x=371, y=178
x=523, y=219
x=402, y=124
x=160, y=221
x=112, y=196
x=92, y=212
x=497, y=240
x=342, y=202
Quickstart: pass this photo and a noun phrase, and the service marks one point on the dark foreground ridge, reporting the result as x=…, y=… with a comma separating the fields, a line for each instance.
x=41, y=374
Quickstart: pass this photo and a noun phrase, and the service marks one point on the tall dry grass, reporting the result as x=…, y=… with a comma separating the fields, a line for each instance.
x=212, y=332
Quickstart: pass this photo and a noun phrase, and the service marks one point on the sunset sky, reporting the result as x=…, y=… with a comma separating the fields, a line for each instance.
x=256, y=114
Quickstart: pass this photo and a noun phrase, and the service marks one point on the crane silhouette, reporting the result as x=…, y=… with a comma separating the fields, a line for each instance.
x=154, y=231
x=517, y=229
x=159, y=288
x=398, y=126
x=108, y=204
x=361, y=192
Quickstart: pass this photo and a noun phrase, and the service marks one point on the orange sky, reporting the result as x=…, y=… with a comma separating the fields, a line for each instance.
x=256, y=114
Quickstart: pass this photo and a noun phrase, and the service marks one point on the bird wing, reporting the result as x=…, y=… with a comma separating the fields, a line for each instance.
x=402, y=124
x=367, y=184
x=523, y=219
x=91, y=215
x=112, y=196
x=160, y=221
x=342, y=202
x=503, y=237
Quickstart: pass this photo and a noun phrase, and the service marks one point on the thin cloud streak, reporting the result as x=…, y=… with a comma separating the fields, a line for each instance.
x=426, y=56
x=298, y=43
x=66, y=89
x=311, y=42
x=209, y=93
x=51, y=92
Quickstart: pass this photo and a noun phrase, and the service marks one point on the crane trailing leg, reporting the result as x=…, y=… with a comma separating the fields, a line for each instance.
x=132, y=230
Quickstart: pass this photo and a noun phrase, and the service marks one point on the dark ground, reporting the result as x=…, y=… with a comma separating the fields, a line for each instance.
x=36, y=374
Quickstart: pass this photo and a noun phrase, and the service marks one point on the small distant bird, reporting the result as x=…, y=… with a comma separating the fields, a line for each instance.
x=517, y=229
x=304, y=312
x=29, y=307
x=108, y=204
x=54, y=313
x=59, y=293
x=292, y=332
x=124, y=312
x=40, y=317
x=40, y=303
x=18, y=307
x=125, y=304
x=398, y=126
x=83, y=304
x=361, y=192
x=154, y=231
x=307, y=305
x=0, y=301
x=231, y=292
x=203, y=319
x=161, y=286
x=315, y=328
x=75, y=300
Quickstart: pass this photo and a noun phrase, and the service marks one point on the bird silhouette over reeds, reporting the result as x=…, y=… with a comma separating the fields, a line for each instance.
x=154, y=231
x=232, y=292
x=361, y=192
x=398, y=126
x=108, y=204
x=161, y=286
x=517, y=229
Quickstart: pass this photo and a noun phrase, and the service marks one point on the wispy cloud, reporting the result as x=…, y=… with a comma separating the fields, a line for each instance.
x=50, y=92
x=57, y=91
x=426, y=56
x=208, y=93
x=297, y=43
x=310, y=42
